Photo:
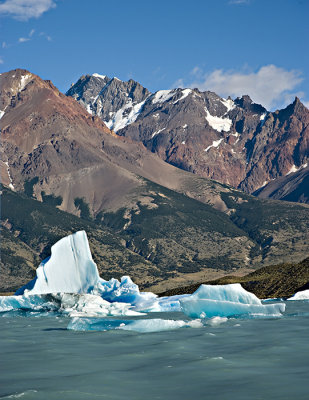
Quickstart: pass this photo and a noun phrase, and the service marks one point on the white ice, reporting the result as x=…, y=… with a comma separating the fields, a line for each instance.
x=1, y=114
x=70, y=269
x=74, y=305
x=302, y=295
x=225, y=301
x=138, y=325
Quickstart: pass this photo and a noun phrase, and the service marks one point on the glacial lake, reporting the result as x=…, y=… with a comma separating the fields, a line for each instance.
x=256, y=359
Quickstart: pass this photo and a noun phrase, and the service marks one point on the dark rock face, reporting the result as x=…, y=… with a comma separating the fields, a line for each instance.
x=235, y=142
x=106, y=97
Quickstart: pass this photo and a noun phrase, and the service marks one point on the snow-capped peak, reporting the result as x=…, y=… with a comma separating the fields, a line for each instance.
x=99, y=76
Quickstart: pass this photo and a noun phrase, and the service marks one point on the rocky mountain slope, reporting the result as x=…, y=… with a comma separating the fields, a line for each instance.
x=183, y=228
x=292, y=187
x=234, y=142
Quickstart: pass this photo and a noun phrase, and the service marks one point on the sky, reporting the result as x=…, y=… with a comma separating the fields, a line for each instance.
x=231, y=47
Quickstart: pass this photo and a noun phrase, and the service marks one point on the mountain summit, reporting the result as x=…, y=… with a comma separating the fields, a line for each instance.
x=237, y=142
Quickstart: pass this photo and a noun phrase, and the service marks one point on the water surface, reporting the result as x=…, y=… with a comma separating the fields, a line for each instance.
x=258, y=359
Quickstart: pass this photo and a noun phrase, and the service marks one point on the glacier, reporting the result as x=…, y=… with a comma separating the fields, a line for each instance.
x=68, y=283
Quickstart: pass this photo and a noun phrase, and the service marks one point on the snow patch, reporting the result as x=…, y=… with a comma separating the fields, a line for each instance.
x=122, y=117
x=229, y=104
x=24, y=81
x=183, y=142
x=215, y=143
x=89, y=109
x=162, y=95
x=156, y=133
x=11, y=186
x=263, y=116
x=185, y=93
x=264, y=184
x=218, y=123
x=184, y=126
x=99, y=76
x=295, y=169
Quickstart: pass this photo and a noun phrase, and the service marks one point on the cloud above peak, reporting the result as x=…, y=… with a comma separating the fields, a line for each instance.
x=270, y=86
x=25, y=9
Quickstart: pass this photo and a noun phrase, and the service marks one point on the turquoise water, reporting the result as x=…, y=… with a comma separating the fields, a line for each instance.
x=258, y=359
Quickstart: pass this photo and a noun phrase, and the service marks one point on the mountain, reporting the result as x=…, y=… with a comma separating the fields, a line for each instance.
x=51, y=145
x=238, y=143
x=181, y=227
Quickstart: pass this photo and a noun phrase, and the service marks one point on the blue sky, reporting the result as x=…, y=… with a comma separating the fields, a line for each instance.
x=233, y=47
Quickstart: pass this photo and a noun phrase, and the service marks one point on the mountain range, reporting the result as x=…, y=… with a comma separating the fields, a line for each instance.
x=235, y=142
x=163, y=225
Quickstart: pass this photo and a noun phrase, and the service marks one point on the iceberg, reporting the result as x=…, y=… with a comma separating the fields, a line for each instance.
x=69, y=269
x=68, y=282
x=226, y=301
x=302, y=295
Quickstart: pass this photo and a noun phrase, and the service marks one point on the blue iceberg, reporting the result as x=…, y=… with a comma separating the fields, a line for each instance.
x=226, y=301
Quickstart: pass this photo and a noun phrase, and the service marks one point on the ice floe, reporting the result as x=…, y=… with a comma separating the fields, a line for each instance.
x=139, y=325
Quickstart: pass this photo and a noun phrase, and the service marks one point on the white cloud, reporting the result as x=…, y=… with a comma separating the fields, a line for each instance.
x=25, y=9
x=239, y=1
x=47, y=37
x=270, y=86
x=31, y=32
x=23, y=39
x=1, y=60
